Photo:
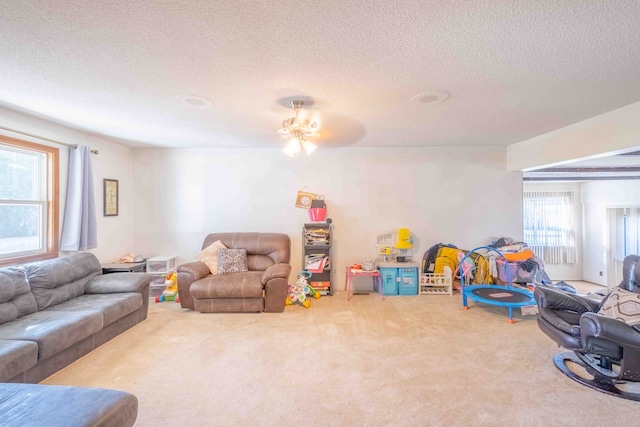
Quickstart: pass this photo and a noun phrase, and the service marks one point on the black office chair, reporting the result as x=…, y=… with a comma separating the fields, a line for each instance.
x=607, y=349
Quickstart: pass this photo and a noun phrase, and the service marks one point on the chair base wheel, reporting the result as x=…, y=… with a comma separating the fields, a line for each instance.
x=603, y=380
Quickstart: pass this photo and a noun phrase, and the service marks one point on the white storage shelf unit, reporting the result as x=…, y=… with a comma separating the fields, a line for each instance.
x=159, y=266
x=435, y=284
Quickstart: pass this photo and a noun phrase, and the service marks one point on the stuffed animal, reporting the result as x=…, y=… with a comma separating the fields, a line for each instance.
x=301, y=289
x=170, y=292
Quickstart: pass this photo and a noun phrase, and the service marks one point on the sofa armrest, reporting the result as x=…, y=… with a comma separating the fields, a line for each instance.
x=567, y=322
x=196, y=269
x=187, y=274
x=118, y=282
x=275, y=281
x=595, y=325
x=554, y=299
x=279, y=270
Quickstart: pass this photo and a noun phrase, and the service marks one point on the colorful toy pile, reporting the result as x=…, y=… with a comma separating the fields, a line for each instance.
x=299, y=291
x=489, y=266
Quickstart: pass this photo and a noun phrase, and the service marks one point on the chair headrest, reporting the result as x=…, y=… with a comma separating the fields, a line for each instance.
x=630, y=273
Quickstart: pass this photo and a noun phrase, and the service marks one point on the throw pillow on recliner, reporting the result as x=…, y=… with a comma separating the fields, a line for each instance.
x=209, y=256
x=232, y=261
x=622, y=305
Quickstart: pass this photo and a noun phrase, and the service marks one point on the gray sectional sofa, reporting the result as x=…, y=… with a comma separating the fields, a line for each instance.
x=62, y=406
x=54, y=312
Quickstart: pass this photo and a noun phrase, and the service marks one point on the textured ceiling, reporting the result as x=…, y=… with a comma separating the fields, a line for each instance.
x=514, y=69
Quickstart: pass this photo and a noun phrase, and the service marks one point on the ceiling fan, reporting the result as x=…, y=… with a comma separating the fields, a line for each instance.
x=298, y=131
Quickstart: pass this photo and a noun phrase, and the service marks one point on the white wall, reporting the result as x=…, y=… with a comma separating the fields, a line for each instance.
x=455, y=195
x=597, y=196
x=574, y=271
x=114, y=161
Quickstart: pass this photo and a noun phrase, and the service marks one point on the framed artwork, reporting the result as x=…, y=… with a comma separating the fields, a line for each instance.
x=304, y=199
x=110, y=197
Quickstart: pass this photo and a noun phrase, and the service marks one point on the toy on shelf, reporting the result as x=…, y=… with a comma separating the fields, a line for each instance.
x=396, y=245
x=170, y=293
x=300, y=290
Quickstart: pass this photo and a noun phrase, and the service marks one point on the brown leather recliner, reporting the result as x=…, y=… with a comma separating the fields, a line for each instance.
x=262, y=288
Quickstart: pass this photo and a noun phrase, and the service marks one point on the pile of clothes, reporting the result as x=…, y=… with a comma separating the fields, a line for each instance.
x=522, y=266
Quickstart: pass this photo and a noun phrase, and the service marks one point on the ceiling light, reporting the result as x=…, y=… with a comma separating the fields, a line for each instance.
x=195, y=101
x=309, y=147
x=298, y=131
x=292, y=148
x=431, y=97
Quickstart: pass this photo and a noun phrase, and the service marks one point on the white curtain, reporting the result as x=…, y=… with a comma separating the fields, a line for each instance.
x=627, y=227
x=548, y=225
x=614, y=267
x=623, y=232
x=79, y=231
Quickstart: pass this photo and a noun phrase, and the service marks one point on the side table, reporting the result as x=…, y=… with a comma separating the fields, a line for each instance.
x=351, y=274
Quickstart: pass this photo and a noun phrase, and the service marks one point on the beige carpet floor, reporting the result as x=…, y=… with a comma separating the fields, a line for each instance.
x=406, y=361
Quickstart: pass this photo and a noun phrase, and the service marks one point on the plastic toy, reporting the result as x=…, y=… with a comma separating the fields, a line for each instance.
x=466, y=267
x=171, y=291
x=300, y=290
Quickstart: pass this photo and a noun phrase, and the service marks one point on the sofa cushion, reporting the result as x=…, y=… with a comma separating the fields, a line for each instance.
x=53, y=331
x=232, y=261
x=232, y=285
x=263, y=249
x=112, y=307
x=15, y=357
x=16, y=299
x=57, y=280
x=622, y=305
x=63, y=406
x=209, y=256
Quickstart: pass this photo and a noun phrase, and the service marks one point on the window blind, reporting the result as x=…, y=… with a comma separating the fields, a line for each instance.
x=548, y=225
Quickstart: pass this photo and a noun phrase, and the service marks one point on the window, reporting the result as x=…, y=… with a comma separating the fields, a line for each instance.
x=548, y=225
x=28, y=201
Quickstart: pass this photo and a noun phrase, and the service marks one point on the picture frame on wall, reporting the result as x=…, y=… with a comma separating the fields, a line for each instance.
x=110, y=197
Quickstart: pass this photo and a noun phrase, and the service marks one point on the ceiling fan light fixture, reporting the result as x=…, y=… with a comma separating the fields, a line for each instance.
x=298, y=130
x=292, y=148
x=309, y=147
x=285, y=133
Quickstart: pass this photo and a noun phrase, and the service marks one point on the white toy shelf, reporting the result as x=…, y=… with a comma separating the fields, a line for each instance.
x=436, y=283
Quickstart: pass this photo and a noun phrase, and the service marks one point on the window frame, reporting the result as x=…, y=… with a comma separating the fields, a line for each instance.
x=52, y=200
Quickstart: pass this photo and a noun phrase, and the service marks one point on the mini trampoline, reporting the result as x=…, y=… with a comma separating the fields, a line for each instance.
x=498, y=295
